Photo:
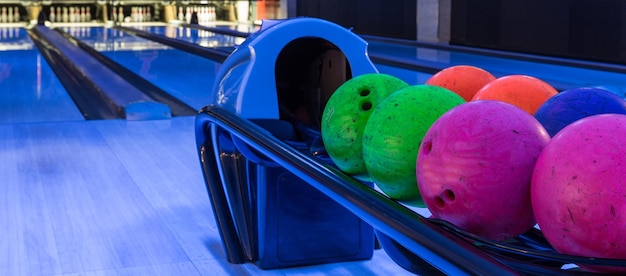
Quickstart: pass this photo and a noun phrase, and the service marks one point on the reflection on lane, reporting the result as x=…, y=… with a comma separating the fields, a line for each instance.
x=108, y=39
x=409, y=76
x=14, y=38
x=200, y=37
x=183, y=75
x=29, y=89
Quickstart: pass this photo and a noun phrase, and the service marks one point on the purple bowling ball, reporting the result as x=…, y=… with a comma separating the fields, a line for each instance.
x=574, y=104
x=475, y=164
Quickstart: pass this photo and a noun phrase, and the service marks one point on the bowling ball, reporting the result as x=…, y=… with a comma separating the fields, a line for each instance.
x=464, y=80
x=574, y=104
x=526, y=92
x=474, y=168
x=578, y=189
x=393, y=134
x=615, y=89
x=346, y=113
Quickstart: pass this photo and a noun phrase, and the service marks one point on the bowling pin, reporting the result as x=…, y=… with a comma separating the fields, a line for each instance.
x=3, y=17
x=181, y=17
x=65, y=16
x=10, y=15
x=88, y=14
x=148, y=15
x=52, y=16
x=188, y=15
x=16, y=16
x=120, y=14
x=71, y=16
x=82, y=14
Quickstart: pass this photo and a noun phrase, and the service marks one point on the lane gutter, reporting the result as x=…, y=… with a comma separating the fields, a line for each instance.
x=177, y=107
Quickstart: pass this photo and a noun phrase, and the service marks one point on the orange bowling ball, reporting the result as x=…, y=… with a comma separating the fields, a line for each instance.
x=464, y=80
x=525, y=92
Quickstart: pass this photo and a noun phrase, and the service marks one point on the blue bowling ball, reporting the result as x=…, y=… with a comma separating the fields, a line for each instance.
x=574, y=104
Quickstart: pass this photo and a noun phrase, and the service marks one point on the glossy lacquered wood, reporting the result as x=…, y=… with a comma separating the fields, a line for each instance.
x=117, y=197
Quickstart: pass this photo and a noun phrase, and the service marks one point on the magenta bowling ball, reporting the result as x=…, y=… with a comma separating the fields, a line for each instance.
x=475, y=164
x=578, y=190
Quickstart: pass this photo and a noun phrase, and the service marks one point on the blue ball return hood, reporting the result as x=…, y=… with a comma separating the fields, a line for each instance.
x=249, y=81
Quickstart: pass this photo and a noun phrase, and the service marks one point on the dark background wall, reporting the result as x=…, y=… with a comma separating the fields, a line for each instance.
x=585, y=29
x=372, y=17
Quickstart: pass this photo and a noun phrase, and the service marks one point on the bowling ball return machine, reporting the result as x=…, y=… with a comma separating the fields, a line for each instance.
x=278, y=199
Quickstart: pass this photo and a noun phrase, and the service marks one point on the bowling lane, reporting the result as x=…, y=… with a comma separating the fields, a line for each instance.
x=409, y=76
x=560, y=76
x=246, y=28
x=29, y=90
x=561, y=73
x=201, y=37
x=212, y=40
x=183, y=75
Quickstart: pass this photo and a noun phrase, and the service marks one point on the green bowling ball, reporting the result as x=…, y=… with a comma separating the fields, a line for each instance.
x=346, y=114
x=393, y=135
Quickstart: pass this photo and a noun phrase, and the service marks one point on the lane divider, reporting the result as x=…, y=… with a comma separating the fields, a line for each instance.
x=178, y=107
x=97, y=91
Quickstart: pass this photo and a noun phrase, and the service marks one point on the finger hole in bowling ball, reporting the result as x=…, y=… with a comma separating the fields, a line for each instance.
x=366, y=106
x=364, y=92
x=427, y=147
x=439, y=202
x=448, y=195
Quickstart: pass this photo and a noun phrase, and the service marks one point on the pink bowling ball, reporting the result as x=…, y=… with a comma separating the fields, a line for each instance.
x=578, y=189
x=475, y=164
